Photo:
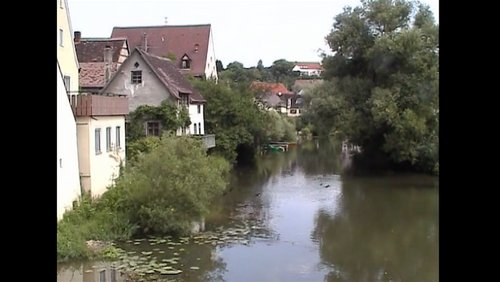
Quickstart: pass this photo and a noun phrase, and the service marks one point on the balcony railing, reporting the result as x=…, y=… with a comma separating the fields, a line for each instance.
x=208, y=140
x=98, y=105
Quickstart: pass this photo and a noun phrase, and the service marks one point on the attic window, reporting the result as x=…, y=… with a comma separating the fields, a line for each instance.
x=136, y=64
x=185, y=62
x=196, y=47
x=136, y=77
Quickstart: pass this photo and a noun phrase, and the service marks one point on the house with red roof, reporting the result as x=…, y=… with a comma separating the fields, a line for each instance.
x=308, y=68
x=190, y=47
x=277, y=97
x=148, y=79
x=99, y=59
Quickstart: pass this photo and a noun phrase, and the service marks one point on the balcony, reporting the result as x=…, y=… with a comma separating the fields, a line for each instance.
x=98, y=105
x=208, y=140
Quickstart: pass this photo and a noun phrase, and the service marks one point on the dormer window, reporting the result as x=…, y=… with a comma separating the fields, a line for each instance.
x=196, y=47
x=186, y=62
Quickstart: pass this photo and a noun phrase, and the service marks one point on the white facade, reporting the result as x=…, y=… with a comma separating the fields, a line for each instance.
x=66, y=53
x=210, y=67
x=197, y=126
x=307, y=71
x=68, y=180
x=100, y=163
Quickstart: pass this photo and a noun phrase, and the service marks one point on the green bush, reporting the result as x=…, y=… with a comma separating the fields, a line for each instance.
x=172, y=186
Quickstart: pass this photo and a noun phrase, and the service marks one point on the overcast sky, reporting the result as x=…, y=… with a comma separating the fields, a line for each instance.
x=243, y=30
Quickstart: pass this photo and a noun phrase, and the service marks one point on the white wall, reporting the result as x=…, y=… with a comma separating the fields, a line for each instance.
x=68, y=180
x=210, y=67
x=66, y=54
x=100, y=169
x=196, y=118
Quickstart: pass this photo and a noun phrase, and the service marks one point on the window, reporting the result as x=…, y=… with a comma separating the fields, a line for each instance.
x=199, y=109
x=136, y=77
x=293, y=111
x=195, y=128
x=153, y=128
x=108, y=139
x=102, y=276
x=67, y=80
x=199, y=127
x=113, y=275
x=61, y=37
x=97, y=141
x=184, y=99
x=118, y=143
x=185, y=64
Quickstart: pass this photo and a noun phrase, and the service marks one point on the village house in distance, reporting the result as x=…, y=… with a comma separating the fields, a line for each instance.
x=189, y=47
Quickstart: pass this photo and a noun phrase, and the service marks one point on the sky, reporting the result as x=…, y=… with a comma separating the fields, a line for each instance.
x=243, y=30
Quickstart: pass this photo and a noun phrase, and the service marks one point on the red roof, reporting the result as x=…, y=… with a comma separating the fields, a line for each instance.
x=93, y=74
x=177, y=40
x=90, y=54
x=170, y=76
x=309, y=65
x=274, y=88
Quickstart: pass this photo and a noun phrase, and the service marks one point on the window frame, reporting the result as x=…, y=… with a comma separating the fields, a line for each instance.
x=61, y=36
x=136, y=77
x=118, y=137
x=149, y=127
x=109, y=146
x=97, y=141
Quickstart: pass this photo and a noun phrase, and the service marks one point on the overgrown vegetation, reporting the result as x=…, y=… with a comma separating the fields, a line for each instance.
x=163, y=192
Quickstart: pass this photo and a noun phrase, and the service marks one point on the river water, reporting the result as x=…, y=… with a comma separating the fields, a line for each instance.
x=307, y=217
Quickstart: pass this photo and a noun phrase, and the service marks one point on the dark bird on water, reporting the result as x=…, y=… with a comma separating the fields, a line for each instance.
x=327, y=185
x=258, y=194
x=321, y=184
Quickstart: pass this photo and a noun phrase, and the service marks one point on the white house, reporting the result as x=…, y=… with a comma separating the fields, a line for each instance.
x=308, y=68
x=68, y=180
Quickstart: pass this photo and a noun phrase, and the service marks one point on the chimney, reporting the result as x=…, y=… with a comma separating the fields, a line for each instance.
x=77, y=36
x=145, y=37
x=108, y=60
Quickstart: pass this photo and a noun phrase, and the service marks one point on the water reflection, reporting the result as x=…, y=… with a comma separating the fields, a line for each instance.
x=385, y=230
x=309, y=220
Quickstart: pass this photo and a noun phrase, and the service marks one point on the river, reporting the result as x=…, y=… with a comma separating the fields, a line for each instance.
x=305, y=216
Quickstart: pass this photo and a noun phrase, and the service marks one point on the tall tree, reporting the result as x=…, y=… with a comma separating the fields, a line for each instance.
x=386, y=65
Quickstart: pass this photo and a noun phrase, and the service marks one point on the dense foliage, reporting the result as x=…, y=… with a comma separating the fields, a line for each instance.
x=163, y=192
x=384, y=83
x=171, y=117
x=232, y=114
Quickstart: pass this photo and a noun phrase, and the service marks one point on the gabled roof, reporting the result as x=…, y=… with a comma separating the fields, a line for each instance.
x=165, y=40
x=91, y=50
x=170, y=76
x=309, y=65
x=268, y=87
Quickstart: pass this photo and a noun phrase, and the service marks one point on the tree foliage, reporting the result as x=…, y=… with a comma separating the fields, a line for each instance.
x=171, y=186
x=384, y=82
x=230, y=114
